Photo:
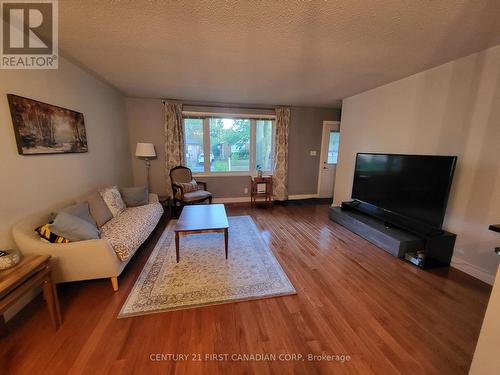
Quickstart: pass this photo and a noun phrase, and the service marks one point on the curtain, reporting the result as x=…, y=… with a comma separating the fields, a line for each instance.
x=280, y=170
x=174, y=139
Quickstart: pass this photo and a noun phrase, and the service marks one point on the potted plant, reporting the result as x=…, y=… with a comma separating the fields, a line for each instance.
x=259, y=170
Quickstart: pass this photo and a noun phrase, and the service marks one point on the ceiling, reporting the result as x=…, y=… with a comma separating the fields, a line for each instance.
x=309, y=53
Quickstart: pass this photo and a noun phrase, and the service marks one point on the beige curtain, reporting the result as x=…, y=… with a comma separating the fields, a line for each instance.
x=174, y=139
x=280, y=172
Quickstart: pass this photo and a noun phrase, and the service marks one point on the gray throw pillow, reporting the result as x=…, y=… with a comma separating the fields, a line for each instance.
x=73, y=227
x=98, y=209
x=80, y=210
x=135, y=196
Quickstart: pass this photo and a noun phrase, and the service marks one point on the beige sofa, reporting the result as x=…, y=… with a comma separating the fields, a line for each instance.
x=92, y=259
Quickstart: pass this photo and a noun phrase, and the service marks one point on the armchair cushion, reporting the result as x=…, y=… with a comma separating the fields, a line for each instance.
x=196, y=195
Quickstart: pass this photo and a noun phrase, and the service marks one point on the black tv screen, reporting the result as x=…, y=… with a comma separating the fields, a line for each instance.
x=415, y=186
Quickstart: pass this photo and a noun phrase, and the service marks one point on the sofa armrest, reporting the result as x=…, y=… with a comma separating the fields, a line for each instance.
x=82, y=260
x=153, y=198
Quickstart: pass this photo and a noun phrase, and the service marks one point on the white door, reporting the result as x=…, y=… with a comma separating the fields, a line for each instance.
x=328, y=160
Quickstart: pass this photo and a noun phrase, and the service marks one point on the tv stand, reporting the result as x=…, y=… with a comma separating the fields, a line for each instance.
x=422, y=247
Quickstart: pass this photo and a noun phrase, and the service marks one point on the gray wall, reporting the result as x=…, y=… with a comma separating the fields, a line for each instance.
x=305, y=136
x=145, y=123
x=31, y=183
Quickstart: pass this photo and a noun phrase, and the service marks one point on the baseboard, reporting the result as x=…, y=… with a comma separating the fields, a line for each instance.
x=302, y=196
x=247, y=199
x=472, y=270
x=231, y=200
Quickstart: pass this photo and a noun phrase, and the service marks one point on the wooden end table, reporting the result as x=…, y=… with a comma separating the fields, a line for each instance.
x=267, y=194
x=204, y=218
x=31, y=272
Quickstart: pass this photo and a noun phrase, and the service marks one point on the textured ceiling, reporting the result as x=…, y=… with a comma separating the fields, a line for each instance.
x=310, y=53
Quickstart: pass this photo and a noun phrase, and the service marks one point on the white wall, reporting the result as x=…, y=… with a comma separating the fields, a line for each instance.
x=32, y=183
x=486, y=360
x=453, y=109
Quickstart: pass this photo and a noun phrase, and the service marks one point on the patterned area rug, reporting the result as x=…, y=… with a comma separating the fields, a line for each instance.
x=203, y=276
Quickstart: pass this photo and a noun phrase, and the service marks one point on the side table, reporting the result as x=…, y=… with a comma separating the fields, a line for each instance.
x=267, y=194
x=31, y=272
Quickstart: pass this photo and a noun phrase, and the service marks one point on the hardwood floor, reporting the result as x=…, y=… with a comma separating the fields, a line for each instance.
x=352, y=299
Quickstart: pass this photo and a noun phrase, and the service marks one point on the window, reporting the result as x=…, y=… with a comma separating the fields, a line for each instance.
x=193, y=138
x=333, y=147
x=228, y=145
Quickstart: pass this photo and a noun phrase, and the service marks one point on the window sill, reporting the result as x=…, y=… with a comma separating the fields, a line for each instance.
x=229, y=174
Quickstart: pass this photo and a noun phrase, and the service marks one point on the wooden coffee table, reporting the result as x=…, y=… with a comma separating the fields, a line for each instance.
x=205, y=218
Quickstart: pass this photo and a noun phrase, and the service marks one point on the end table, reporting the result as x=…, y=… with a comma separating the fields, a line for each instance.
x=31, y=272
x=267, y=194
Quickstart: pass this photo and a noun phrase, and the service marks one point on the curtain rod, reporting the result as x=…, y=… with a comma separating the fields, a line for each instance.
x=214, y=105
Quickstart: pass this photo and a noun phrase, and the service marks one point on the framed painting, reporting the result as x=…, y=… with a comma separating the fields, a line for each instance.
x=42, y=128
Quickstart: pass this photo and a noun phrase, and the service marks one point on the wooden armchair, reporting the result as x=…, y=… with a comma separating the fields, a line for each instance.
x=186, y=189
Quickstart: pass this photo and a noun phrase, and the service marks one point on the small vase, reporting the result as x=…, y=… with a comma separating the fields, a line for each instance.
x=259, y=174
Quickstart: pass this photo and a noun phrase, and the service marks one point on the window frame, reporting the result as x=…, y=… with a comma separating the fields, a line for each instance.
x=253, y=141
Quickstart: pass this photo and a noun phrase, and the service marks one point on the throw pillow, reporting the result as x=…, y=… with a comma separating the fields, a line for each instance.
x=98, y=209
x=113, y=200
x=73, y=227
x=188, y=187
x=45, y=234
x=135, y=196
x=81, y=210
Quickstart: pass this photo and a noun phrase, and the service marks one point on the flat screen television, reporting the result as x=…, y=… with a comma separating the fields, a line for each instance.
x=413, y=186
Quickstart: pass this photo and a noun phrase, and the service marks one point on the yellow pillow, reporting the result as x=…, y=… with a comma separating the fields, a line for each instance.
x=45, y=233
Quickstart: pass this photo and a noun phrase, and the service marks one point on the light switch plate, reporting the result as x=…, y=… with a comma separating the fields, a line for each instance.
x=312, y=153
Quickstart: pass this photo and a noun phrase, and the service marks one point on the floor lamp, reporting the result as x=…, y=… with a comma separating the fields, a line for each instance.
x=146, y=151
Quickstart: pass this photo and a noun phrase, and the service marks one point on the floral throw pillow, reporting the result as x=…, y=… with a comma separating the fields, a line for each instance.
x=113, y=199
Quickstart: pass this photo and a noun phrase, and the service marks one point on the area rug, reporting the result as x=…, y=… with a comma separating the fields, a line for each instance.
x=203, y=276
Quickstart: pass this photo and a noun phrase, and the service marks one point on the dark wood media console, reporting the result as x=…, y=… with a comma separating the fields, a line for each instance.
x=436, y=247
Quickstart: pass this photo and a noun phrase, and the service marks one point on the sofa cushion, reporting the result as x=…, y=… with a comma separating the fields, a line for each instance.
x=80, y=210
x=73, y=228
x=131, y=228
x=113, y=200
x=98, y=209
x=196, y=195
x=135, y=196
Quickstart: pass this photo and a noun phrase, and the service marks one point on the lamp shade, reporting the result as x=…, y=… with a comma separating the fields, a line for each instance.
x=145, y=150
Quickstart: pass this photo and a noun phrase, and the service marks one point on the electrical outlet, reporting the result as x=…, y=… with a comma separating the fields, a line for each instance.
x=245, y=190
x=312, y=153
